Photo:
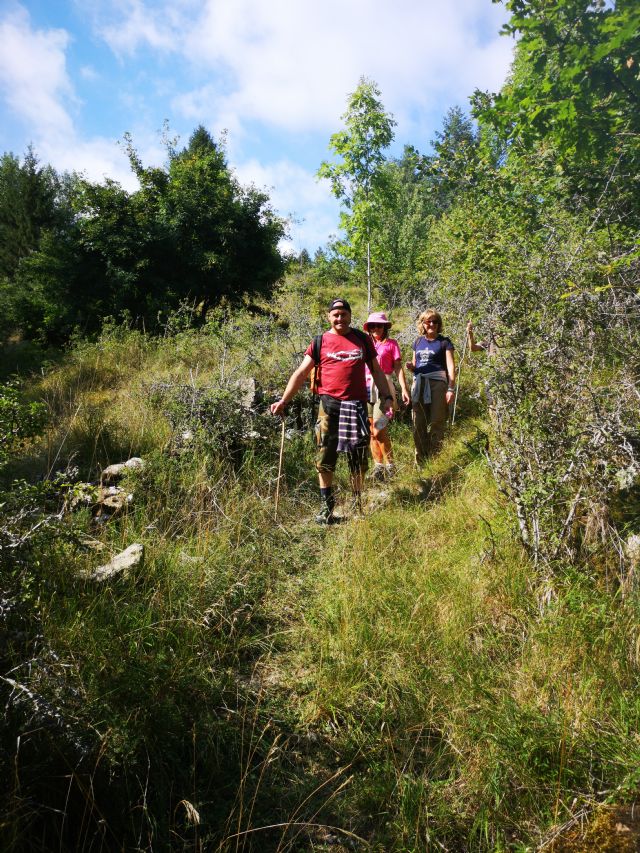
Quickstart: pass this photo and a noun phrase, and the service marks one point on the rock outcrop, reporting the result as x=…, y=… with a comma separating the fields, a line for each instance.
x=120, y=566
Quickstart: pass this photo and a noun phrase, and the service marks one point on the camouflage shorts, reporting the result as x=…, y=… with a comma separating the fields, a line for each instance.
x=326, y=430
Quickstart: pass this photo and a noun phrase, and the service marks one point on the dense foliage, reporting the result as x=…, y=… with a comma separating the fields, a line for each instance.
x=528, y=222
x=190, y=232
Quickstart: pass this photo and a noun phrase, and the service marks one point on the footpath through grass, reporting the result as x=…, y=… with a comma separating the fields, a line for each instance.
x=404, y=681
x=467, y=702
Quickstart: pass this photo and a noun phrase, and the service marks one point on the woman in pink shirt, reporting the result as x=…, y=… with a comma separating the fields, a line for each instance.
x=390, y=359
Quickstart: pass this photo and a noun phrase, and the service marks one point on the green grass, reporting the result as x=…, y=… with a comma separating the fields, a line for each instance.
x=480, y=699
x=407, y=678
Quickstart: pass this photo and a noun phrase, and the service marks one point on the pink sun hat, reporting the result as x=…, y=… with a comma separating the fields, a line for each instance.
x=377, y=317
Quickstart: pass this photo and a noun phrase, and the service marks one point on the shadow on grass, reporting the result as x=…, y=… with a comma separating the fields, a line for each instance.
x=429, y=489
x=24, y=358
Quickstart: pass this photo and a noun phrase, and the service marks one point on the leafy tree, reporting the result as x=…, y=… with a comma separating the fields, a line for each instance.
x=28, y=196
x=576, y=76
x=304, y=258
x=227, y=236
x=404, y=219
x=19, y=420
x=451, y=169
x=420, y=188
x=190, y=232
x=31, y=201
x=359, y=179
x=537, y=277
x=575, y=87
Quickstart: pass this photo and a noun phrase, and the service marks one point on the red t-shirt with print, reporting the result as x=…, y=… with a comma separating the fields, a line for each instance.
x=342, y=362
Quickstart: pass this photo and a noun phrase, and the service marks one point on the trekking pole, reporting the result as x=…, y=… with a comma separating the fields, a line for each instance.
x=275, y=512
x=455, y=399
x=356, y=496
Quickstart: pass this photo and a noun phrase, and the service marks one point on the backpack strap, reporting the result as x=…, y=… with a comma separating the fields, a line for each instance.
x=315, y=352
x=364, y=337
x=314, y=379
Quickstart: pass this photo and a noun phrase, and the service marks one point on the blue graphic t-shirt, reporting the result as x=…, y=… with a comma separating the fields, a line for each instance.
x=430, y=355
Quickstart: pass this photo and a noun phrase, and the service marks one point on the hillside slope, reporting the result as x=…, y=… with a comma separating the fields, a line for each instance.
x=402, y=681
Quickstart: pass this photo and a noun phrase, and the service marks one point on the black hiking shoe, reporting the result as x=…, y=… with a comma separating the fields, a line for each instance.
x=325, y=516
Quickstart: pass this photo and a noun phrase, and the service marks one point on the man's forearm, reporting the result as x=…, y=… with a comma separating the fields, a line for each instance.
x=295, y=383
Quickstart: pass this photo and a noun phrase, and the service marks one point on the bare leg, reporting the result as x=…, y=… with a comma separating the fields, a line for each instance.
x=326, y=479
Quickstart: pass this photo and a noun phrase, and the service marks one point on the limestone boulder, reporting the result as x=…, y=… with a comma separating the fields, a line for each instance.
x=249, y=393
x=120, y=566
x=113, y=473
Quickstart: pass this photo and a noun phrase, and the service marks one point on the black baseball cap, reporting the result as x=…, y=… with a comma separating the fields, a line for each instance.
x=340, y=303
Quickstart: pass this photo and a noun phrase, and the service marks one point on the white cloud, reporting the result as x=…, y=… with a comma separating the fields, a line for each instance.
x=33, y=75
x=295, y=193
x=127, y=25
x=206, y=106
x=36, y=87
x=88, y=73
x=253, y=67
x=289, y=66
x=96, y=159
x=292, y=64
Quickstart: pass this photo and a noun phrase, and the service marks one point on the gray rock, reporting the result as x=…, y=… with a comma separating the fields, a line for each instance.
x=112, y=473
x=249, y=392
x=90, y=543
x=113, y=498
x=632, y=550
x=120, y=565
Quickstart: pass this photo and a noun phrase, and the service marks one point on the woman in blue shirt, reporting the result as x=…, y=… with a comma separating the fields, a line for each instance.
x=434, y=379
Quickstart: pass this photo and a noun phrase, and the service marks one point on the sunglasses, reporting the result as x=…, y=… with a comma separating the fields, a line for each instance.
x=377, y=325
x=431, y=322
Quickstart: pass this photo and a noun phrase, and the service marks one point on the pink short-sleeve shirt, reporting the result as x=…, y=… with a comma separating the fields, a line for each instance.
x=388, y=352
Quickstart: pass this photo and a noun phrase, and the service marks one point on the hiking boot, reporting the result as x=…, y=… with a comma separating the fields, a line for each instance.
x=325, y=516
x=391, y=471
x=378, y=473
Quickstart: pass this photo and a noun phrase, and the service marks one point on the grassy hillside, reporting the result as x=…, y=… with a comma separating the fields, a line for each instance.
x=405, y=681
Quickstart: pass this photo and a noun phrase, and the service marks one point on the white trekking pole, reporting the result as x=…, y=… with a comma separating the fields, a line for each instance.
x=455, y=399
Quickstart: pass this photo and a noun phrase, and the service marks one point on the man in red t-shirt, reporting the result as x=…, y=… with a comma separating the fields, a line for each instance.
x=342, y=418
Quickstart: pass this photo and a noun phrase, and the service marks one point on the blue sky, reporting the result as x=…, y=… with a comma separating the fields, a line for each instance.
x=274, y=74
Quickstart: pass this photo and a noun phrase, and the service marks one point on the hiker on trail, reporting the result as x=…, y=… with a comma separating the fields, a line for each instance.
x=390, y=360
x=478, y=346
x=433, y=388
x=489, y=346
x=342, y=424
